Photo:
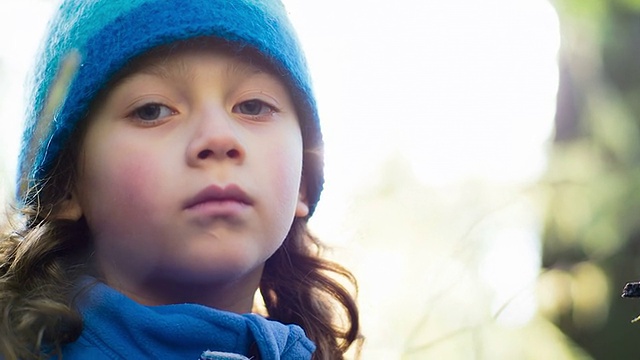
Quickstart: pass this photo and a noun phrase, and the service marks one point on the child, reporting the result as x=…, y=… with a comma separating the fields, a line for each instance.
x=171, y=158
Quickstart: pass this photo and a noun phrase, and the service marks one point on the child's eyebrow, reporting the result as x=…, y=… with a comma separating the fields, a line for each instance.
x=180, y=70
x=245, y=67
x=166, y=71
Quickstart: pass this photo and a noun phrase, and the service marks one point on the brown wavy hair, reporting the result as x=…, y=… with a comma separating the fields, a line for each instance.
x=42, y=257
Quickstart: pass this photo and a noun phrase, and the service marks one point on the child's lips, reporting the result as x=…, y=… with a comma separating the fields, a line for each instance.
x=219, y=201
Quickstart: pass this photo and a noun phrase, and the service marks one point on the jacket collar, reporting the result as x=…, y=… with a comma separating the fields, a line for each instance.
x=122, y=328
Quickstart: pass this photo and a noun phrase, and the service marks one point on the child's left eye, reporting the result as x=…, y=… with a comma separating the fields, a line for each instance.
x=254, y=108
x=152, y=112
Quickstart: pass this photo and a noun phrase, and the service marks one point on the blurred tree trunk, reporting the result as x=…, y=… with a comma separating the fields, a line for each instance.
x=593, y=213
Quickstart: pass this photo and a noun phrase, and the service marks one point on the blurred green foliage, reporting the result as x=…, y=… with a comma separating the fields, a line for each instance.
x=591, y=244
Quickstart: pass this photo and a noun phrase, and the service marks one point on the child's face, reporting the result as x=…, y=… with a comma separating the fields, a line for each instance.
x=190, y=177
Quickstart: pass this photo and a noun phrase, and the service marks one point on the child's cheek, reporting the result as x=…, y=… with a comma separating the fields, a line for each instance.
x=288, y=171
x=125, y=185
x=134, y=176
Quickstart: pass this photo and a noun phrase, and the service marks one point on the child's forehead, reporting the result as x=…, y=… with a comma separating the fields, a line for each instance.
x=171, y=61
x=180, y=65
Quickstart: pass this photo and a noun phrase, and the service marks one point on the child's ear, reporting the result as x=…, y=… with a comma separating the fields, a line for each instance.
x=70, y=208
x=302, y=207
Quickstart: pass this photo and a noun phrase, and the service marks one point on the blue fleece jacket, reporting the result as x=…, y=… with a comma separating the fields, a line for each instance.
x=116, y=327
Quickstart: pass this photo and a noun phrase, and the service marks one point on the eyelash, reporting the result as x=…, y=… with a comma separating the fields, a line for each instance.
x=137, y=112
x=138, y=116
x=261, y=115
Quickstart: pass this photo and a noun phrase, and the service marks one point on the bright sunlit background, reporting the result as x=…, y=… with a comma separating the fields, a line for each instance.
x=436, y=118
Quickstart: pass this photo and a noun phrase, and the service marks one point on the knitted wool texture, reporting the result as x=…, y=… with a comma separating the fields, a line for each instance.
x=106, y=34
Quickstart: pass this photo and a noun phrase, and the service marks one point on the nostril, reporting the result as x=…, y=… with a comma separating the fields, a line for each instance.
x=204, y=154
x=233, y=153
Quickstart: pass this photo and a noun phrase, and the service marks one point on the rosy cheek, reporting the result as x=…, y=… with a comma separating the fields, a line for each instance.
x=119, y=187
x=288, y=169
x=134, y=176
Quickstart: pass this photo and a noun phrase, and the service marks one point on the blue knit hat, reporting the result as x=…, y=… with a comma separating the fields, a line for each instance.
x=90, y=40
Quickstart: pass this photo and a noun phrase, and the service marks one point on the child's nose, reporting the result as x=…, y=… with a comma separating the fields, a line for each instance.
x=215, y=138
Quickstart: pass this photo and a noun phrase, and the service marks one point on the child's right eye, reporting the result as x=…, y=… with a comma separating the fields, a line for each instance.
x=152, y=112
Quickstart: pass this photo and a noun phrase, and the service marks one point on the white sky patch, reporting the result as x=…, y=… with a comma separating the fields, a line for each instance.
x=461, y=88
x=510, y=268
